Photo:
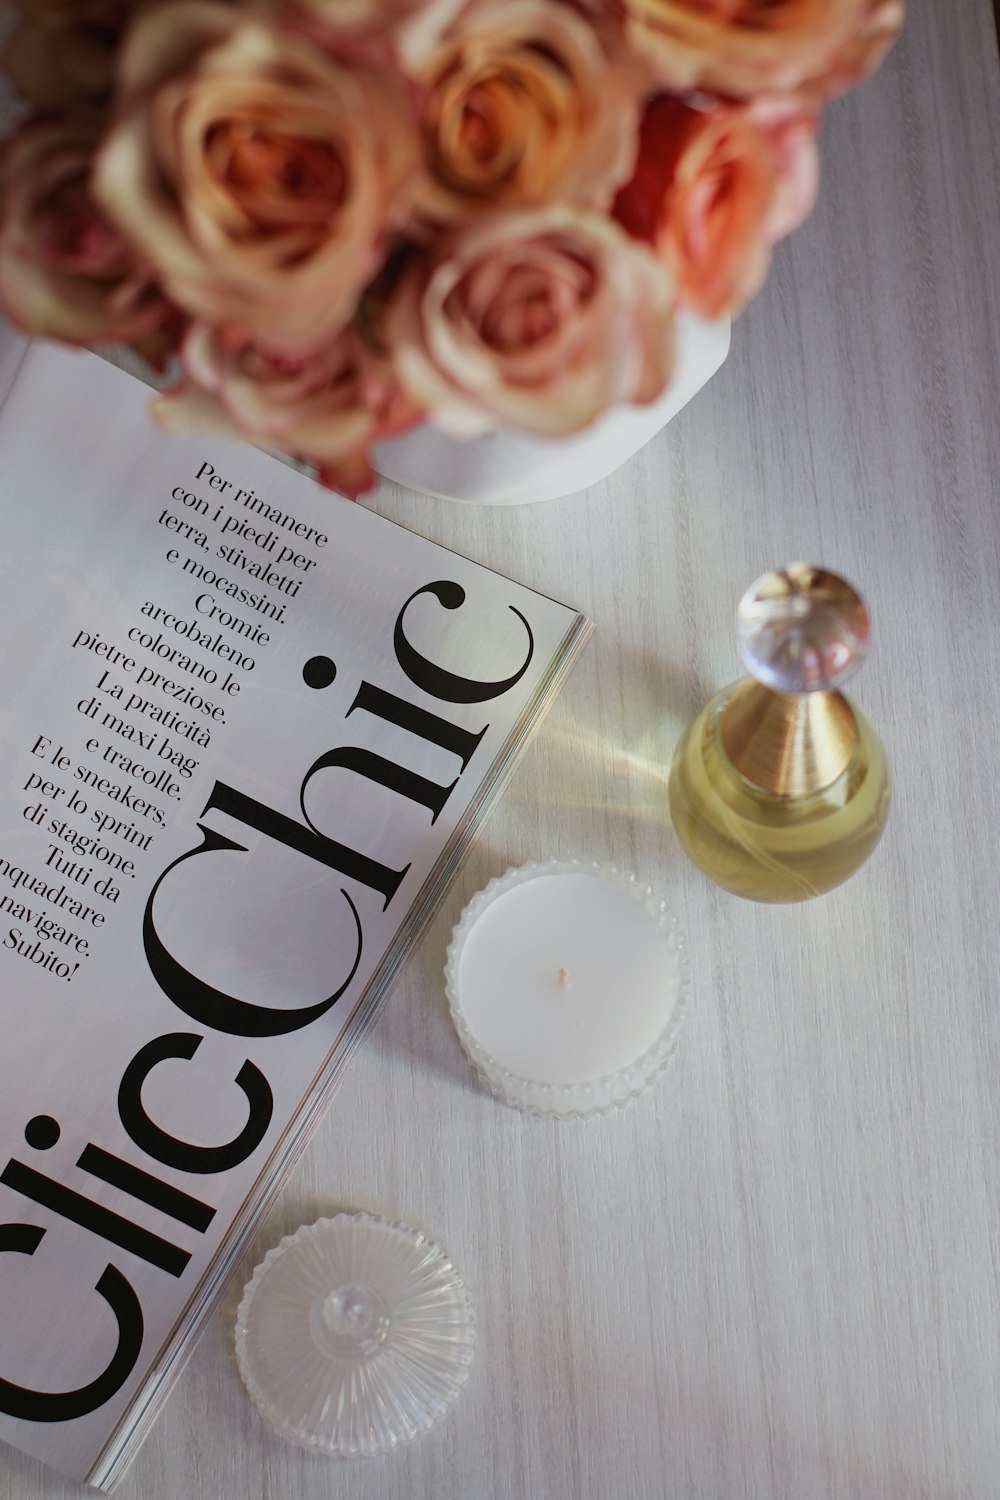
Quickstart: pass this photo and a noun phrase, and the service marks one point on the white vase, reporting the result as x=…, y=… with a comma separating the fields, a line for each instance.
x=510, y=468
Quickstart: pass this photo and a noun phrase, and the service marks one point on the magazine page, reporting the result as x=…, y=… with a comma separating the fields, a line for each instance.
x=248, y=730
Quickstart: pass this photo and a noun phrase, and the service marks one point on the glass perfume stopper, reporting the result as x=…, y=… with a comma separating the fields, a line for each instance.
x=354, y=1335
x=802, y=630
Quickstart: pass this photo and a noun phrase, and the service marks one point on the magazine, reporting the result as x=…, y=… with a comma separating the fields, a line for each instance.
x=248, y=731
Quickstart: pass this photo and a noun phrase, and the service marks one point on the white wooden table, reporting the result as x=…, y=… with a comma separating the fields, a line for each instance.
x=776, y=1274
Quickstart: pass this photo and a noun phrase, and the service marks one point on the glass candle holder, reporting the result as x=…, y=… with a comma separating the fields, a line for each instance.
x=567, y=983
x=355, y=1334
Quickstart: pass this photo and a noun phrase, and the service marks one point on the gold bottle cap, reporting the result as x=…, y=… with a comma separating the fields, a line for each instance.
x=802, y=633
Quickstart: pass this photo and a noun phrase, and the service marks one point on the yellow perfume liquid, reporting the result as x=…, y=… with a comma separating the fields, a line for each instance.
x=769, y=847
x=779, y=788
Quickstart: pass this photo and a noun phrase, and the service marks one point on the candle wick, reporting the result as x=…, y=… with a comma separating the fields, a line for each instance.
x=564, y=980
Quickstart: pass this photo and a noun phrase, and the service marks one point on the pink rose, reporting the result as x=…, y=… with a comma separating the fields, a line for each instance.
x=714, y=189
x=525, y=102
x=539, y=321
x=762, y=46
x=325, y=409
x=261, y=177
x=65, y=271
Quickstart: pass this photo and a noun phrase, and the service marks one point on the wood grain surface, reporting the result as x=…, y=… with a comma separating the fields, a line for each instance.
x=775, y=1276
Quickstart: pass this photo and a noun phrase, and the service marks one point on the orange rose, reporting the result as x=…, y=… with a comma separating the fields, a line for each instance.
x=714, y=189
x=325, y=409
x=538, y=321
x=259, y=176
x=760, y=46
x=65, y=272
x=525, y=102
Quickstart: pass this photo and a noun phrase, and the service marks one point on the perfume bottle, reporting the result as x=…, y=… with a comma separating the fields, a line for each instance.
x=779, y=788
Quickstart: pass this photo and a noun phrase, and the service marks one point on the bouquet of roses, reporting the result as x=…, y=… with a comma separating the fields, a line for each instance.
x=340, y=218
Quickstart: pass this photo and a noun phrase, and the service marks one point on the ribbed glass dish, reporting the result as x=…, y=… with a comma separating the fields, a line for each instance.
x=355, y=1334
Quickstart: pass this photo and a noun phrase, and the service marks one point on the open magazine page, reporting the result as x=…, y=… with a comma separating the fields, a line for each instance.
x=248, y=730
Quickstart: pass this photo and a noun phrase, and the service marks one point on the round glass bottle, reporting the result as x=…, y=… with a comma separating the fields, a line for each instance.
x=779, y=788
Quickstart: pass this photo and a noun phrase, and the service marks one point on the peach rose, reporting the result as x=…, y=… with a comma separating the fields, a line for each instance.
x=260, y=176
x=355, y=32
x=714, y=189
x=525, y=102
x=861, y=54
x=539, y=321
x=65, y=272
x=326, y=409
x=353, y=17
x=746, y=47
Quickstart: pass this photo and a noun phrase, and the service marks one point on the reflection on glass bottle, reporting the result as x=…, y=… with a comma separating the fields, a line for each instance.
x=779, y=788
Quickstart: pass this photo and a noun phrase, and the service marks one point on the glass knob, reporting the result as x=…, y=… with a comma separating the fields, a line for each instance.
x=354, y=1335
x=802, y=630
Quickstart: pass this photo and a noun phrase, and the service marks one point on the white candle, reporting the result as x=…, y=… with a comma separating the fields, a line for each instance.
x=566, y=985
